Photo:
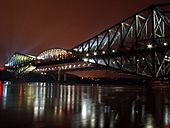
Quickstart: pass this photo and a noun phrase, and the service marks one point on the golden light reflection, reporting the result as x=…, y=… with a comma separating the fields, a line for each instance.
x=20, y=96
x=149, y=121
x=20, y=90
x=91, y=105
x=5, y=92
x=167, y=116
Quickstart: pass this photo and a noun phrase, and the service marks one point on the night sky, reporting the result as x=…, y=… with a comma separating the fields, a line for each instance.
x=32, y=26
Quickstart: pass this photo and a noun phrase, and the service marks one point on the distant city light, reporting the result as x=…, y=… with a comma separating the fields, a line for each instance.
x=40, y=57
x=85, y=59
x=103, y=52
x=165, y=44
x=113, y=50
x=69, y=66
x=87, y=54
x=110, y=30
x=6, y=64
x=95, y=53
x=149, y=45
x=75, y=49
x=167, y=58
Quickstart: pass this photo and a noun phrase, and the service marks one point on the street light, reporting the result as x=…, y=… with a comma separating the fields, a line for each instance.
x=113, y=50
x=87, y=54
x=149, y=45
x=165, y=44
x=85, y=59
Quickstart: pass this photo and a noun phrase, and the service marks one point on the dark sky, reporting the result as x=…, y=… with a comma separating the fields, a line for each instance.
x=32, y=26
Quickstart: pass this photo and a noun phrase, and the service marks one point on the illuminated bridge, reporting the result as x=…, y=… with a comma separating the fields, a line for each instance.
x=138, y=45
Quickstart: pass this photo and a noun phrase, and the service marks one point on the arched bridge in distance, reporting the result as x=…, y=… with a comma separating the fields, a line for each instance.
x=138, y=45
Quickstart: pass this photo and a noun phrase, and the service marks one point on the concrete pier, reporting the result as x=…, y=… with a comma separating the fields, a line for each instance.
x=158, y=84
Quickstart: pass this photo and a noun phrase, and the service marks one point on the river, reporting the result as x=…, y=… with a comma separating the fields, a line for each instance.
x=53, y=105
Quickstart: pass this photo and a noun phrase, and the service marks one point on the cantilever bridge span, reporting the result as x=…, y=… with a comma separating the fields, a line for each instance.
x=138, y=45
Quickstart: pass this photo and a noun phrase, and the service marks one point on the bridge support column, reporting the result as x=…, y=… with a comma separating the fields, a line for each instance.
x=65, y=77
x=158, y=84
x=58, y=74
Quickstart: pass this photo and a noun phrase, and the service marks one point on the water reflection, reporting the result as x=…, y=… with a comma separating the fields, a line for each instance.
x=1, y=88
x=59, y=105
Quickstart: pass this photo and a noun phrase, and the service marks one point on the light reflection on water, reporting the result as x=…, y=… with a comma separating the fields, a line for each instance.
x=59, y=105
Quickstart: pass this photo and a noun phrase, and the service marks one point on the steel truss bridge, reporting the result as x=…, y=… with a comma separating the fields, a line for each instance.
x=138, y=45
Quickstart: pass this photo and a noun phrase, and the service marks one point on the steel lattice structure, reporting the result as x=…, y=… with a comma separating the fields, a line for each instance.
x=138, y=45
x=54, y=53
x=20, y=63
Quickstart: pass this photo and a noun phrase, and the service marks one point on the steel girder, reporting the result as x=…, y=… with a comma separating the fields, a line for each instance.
x=139, y=44
x=20, y=63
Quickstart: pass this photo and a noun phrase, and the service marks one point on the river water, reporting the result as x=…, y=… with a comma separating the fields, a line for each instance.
x=52, y=105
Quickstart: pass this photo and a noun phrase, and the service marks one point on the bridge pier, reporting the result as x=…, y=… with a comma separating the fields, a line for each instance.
x=158, y=84
x=61, y=77
x=65, y=77
x=58, y=75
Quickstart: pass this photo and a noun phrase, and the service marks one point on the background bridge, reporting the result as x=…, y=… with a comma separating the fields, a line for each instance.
x=138, y=45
